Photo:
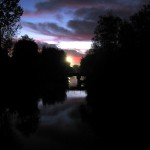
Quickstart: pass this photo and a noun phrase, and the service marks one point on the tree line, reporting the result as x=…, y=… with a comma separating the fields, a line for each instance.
x=116, y=69
x=29, y=75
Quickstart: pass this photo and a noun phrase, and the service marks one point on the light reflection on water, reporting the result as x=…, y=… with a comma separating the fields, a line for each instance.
x=75, y=95
x=65, y=116
x=61, y=119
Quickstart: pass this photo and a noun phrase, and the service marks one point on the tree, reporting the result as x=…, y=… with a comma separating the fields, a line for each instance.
x=141, y=25
x=106, y=33
x=25, y=75
x=53, y=77
x=10, y=13
x=117, y=106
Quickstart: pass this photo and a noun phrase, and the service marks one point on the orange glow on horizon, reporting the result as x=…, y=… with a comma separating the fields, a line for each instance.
x=76, y=60
x=69, y=59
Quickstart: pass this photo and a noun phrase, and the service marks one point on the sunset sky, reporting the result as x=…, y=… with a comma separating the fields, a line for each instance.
x=70, y=23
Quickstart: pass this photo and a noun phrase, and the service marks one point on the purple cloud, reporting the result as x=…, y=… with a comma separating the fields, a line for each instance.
x=93, y=14
x=82, y=26
x=59, y=32
x=52, y=5
x=76, y=19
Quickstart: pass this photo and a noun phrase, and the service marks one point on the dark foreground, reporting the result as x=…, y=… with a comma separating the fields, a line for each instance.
x=60, y=127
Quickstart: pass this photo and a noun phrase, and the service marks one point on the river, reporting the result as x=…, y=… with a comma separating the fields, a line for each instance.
x=60, y=127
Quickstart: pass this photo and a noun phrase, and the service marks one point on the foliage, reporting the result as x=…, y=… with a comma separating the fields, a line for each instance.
x=26, y=77
x=25, y=52
x=54, y=81
x=141, y=25
x=107, y=32
x=116, y=70
x=10, y=13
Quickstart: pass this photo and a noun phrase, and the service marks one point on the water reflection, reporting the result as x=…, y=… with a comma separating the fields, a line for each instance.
x=29, y=119
x=14, y=126
x=76, y=93
x=28, y=123
x=24, y=116
x=53, y=96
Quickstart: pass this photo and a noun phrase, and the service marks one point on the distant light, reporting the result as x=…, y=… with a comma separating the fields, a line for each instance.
x=69, y=59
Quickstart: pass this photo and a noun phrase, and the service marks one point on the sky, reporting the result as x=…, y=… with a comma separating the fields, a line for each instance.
x=70, y=24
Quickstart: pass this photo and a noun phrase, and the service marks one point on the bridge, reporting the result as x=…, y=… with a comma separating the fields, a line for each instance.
x=78, y=81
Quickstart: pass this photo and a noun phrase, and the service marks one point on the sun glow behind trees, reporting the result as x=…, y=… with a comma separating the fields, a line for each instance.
x=69, y=59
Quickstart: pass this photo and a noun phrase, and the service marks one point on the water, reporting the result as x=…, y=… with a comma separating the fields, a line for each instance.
x=77, y=94
x=71, y=95
x=60, y=114
x=60, y=127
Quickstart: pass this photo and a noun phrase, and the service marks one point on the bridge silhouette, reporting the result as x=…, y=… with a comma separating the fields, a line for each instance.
x=80, y=78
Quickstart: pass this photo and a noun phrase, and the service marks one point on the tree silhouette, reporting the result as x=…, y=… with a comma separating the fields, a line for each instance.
x=141, y=25
x=25, y=73
x=106, y=33
x=19, y=94
x=116, y=70
x=54, y=82
x=10, y=13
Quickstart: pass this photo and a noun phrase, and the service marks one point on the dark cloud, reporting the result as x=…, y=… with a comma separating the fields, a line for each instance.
x=92, y=13
x=82, y=26
x=84, y=15
x=79, y=30
x=47, y=28
x=55, y=28
x=121, y=7
x=89, y=13
x=52, y=5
